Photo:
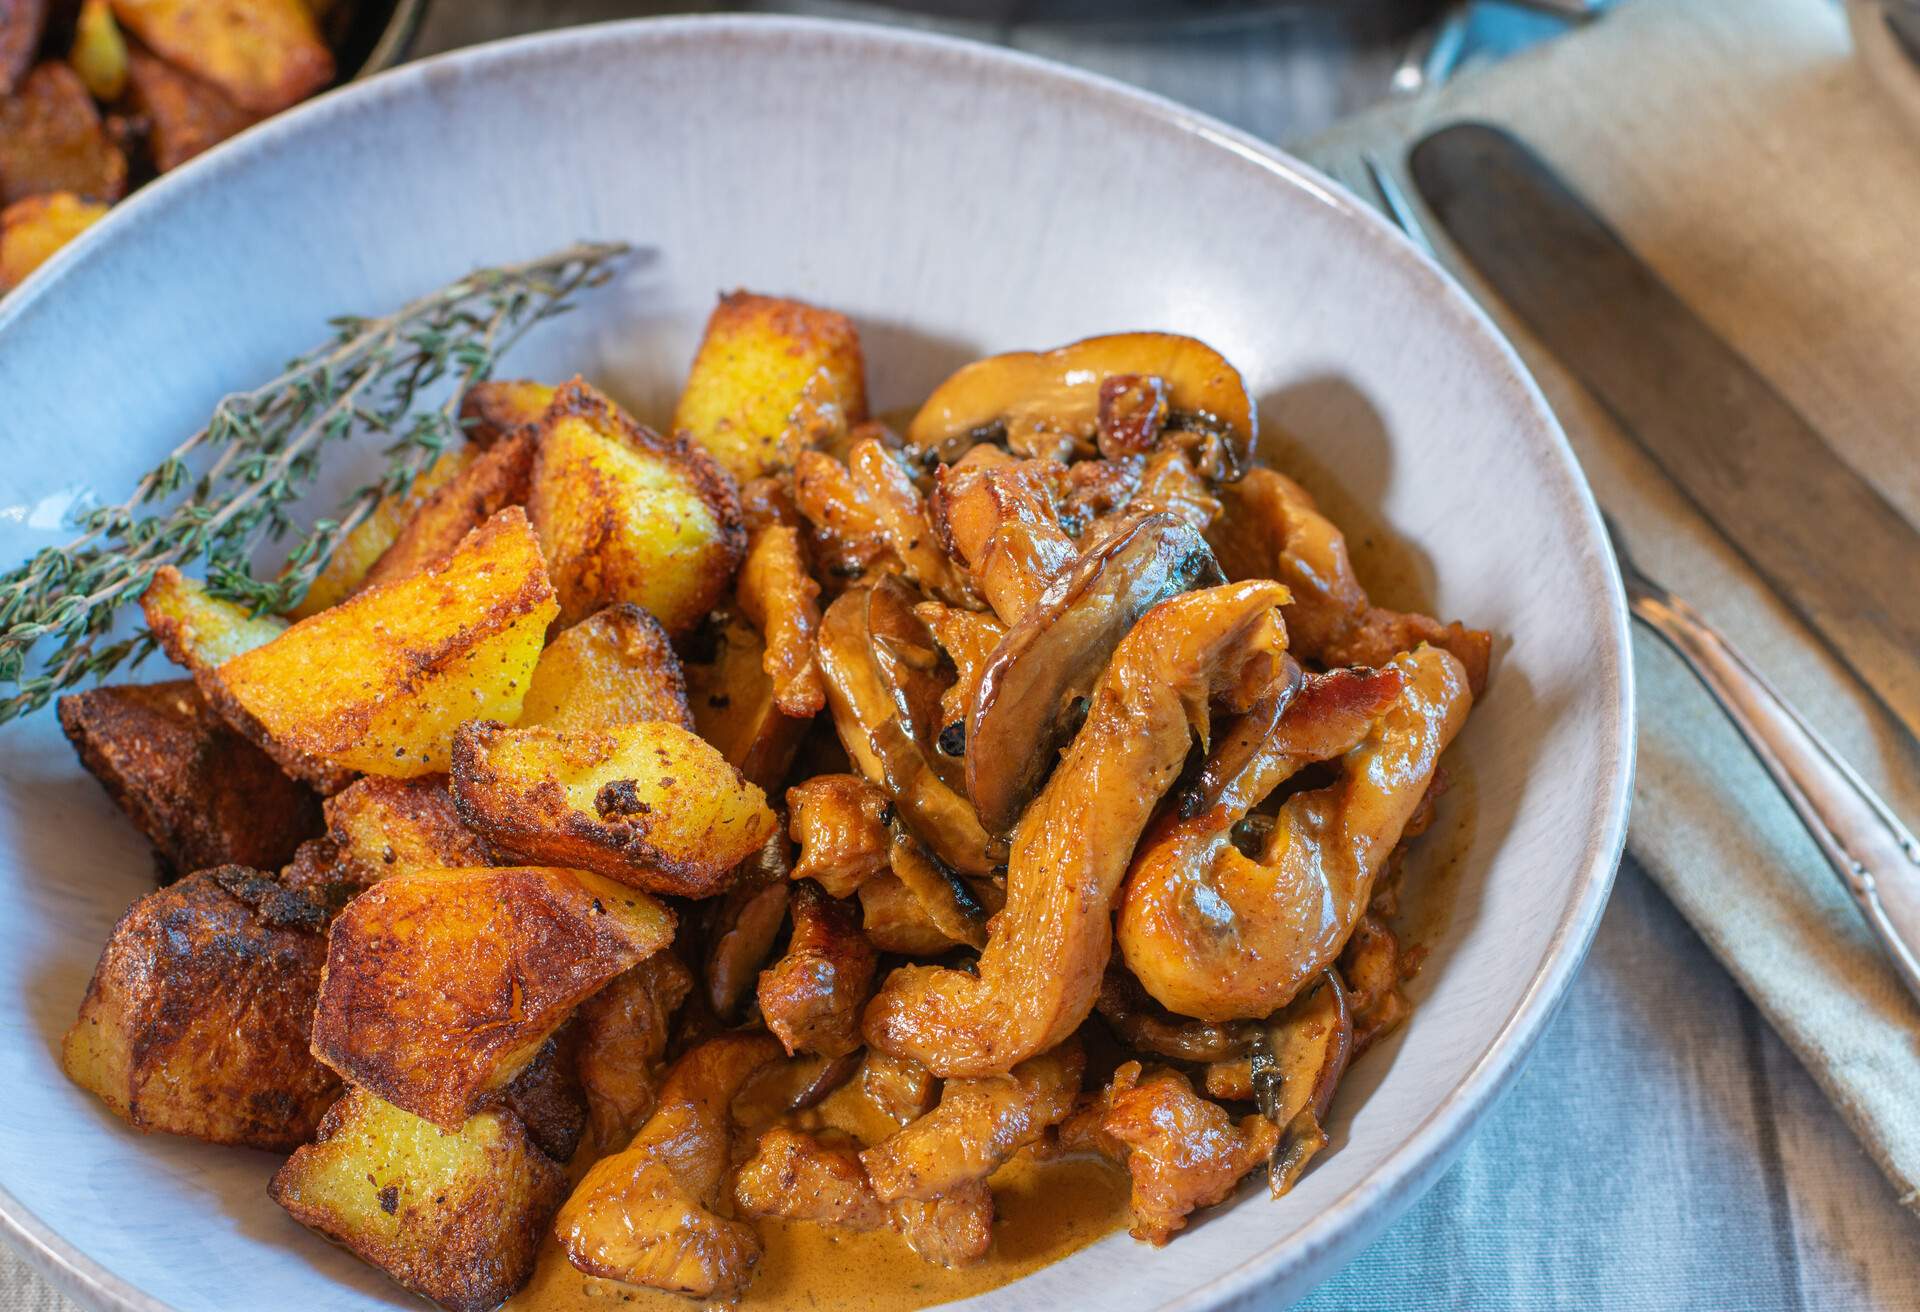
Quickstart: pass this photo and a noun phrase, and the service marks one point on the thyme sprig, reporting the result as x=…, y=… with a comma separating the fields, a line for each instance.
x=258, y=454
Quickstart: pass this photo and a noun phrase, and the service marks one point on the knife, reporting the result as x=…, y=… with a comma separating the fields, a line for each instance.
x=1834, y=549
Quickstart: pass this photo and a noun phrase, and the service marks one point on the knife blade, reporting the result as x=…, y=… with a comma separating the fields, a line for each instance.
x=1840, y=555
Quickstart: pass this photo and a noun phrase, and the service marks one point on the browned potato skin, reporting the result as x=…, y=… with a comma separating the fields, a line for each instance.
x=755, y=361
x=454, y=1217
x=33, y=229
x=392, y=827
x=548, y=1098
x=51, y=139
x=595, y=555
x=185, y=114
x=615, y=667
x=493, y=408
x=264, y=54
x=195, y=1022
x=440, y=988
x=498, y=479
x=21, y=22
x=811, y=997
x=203, y=795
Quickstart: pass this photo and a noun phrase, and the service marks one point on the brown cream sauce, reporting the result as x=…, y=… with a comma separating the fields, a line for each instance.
x=1043, y=1211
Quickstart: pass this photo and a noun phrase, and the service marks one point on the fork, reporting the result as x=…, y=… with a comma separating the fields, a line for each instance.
x=1875, y=856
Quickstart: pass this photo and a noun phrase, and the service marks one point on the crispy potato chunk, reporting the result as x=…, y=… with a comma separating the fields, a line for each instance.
x=197, y=630
x=614, y=668
x=623, y=1036
x=21, y=22
x=31, y=230
x=732, y=699
x=455, y=1217
x=652, y=804
x=99, y=51
x=758, y=355
x=493, y=408
x=627, y=515
x=185, y=115
x=264, y=54
x=51, y=139
x=196, y=1020
x=441, y=987
x=381, y=682
x=346, y=570
x=477, y=491
x=203, y=795
x=393, y=827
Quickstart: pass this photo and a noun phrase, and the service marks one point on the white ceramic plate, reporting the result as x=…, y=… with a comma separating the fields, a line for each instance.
x=956, y=200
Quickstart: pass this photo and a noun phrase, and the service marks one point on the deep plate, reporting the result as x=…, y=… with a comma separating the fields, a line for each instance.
x=956, y=200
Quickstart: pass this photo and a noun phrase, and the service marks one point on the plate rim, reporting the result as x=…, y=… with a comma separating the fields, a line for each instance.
x=1325, y=1242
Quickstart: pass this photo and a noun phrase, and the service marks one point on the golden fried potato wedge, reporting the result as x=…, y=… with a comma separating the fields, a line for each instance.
x=455, y=1217
x=185, y=114
x=492, y=408
x=735, y=707
x=380, y=682
x=264, y=54
x=346, y=570
x=393, y=827
x=21, y=23
x=614, y=668
x=627, y=515
x=441, y=987
x=99, y=51
x=477, y=492
x=197, y=630
x=31, y=230
x=652, y=805
x=758, y=356
x=203, y=795
x=195, y=1022
x=51, y=139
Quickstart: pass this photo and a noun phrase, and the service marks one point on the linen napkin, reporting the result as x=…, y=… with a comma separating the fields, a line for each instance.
x=1744, y=153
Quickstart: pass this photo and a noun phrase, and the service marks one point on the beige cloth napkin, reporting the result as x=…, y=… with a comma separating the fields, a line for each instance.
x=1749, y=159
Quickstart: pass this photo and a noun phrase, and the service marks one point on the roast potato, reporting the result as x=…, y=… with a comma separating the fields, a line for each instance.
x=203, y=795
x=441, y=987
x=197, y=630
x=453, y=1216
x=392, y=827
x=346, y=570
x=614, y=668
x=31, y=230
x=195, y=1022
x=652, y=805
x=263, y=54
x=477, y=491
x=184, y=114
x=758, y=354
x=380, y=682
x=492, y=408
x=51, y=139
x=627, y=515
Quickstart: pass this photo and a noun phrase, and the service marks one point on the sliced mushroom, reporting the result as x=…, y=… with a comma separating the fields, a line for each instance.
x=1144, y=1024
x=1298, y=1059
x=950, y=902
x=745, y=924
x=884, y=748
x=1049, y=403
x=1024, y=712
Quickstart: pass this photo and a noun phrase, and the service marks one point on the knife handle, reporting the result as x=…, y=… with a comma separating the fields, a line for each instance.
x=1876, y=856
